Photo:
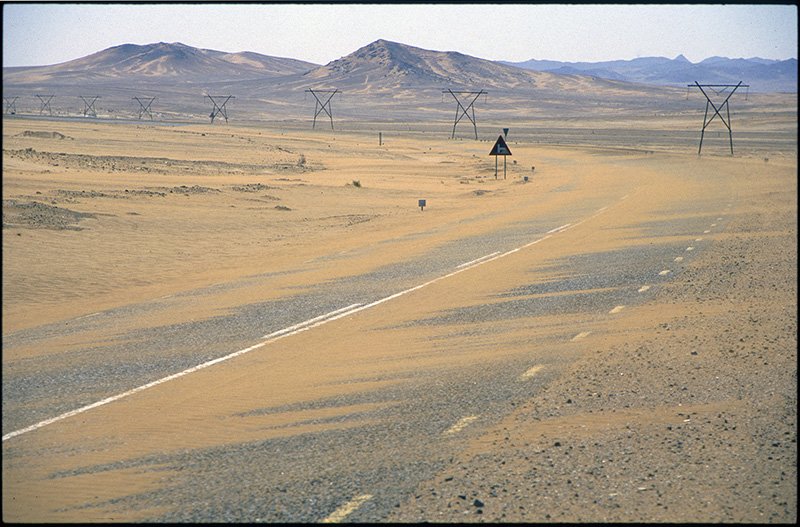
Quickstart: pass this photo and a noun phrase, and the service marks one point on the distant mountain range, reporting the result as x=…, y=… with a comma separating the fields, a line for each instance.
x=384, y=80
x=390, y=64
x=378, y=67
x=762, y=75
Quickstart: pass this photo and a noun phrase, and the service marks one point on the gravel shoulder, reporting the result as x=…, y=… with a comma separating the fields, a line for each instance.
x=687, y=413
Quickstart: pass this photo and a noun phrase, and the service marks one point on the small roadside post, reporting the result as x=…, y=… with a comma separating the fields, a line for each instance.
x=422, y=204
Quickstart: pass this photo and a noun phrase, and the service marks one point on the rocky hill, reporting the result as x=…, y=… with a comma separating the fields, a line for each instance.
x=160, y=61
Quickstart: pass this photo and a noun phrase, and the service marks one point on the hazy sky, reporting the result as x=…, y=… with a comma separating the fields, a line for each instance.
x=43, y=34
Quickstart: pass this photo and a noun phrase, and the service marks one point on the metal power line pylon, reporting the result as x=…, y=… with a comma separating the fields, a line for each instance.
x=144, y=107
x=88, y=106
x=320, y=106
x=219, y=108
x=45, y=100
x=11, y=105
x=462, y=110
x=717, y=88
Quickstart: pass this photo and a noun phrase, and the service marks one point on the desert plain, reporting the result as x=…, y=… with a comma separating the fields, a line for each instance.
x=244, y=322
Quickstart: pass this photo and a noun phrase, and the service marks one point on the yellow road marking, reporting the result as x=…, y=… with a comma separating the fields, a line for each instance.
x=461, y=424
x=346, y=509
x=531, y=372
x=581, y=335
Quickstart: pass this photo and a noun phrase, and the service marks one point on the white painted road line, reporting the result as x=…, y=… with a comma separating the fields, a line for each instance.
x=665, y=272
x=308, y=322
x=579, y=336
x=679, y=258
x=531, y=372
x=286, y=332
x=557, y=229
x=88, y=316
x=644, y=288
x=617, y=309
x=347, y=509
x=690, y=248
x=476, y=260
x=297, y=328
x=698, y=239
x=460, y=425
x=706, y=232
x=272, y=337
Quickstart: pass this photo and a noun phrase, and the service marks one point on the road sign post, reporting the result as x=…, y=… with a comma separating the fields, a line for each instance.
x=500, y=148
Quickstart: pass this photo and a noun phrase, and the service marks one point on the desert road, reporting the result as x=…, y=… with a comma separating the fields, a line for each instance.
x=369, y=370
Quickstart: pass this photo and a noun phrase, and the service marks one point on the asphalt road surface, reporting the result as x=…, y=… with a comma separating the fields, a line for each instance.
x=406, y=363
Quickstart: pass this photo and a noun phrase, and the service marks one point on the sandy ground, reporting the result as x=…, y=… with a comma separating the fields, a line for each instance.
x=686, y=413
x=682, y=409
x=249, y=194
